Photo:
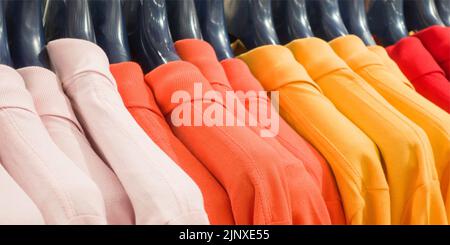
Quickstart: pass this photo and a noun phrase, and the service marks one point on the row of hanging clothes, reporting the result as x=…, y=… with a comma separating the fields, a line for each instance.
x=92, y=132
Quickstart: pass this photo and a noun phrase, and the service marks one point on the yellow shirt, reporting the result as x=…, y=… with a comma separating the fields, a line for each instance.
x=404, y=146
x=353, y=157
x=432, y=119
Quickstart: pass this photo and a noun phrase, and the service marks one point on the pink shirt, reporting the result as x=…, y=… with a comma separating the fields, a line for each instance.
x=58, y=117
x=62, y=192
x=160, y=192
x=16, y=208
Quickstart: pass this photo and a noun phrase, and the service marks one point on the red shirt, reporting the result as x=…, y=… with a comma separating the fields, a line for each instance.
x=436, y=39
x=422, y=70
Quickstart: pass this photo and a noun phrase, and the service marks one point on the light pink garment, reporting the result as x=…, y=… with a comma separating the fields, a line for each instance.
x=62, y=192
x=16, y=208
x=161, y=193
x=57, y=115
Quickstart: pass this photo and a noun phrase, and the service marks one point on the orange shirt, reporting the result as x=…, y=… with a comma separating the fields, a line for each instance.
x=138, y=99
x=300, y=181
x=353, y=157
x=241, y=79
x=246, y=167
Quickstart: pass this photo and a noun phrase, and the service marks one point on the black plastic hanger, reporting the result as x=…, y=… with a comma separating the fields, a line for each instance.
x=130, y=12
x=5, y=57
x=54, y=19
x=151, y=43
x=212, y=22
x=251, y=22
x=325, y=19
x=420, y=14
x=183, y=20
x=68, y=18
x=26, y=33
x=355, y=19
x=443, y=7
x=291, y=20
x=386, y=21
x=79, y=23
x=110, y=30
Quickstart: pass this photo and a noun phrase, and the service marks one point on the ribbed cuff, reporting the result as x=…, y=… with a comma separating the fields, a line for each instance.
x=132, y=88
x=71, y=57
x=274, y=66
x=13, y=92
x=48, y=95
x=413, y=59
x=202, y=55
x=175, y=76
x=354, y=52
x=316, y=56
x=239, y=76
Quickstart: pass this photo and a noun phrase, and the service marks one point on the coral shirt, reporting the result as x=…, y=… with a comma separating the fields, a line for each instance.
x=139, y=100
x=245, y=166
x=241, y=79
x=301, y=184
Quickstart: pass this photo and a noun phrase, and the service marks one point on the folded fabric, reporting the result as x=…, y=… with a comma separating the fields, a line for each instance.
x=390, y=64
x=62, y=192
x=422, y=70
x=351, y=154
x=436, y=39
x=139, y=100
x=303, y=190
x=16, y=207
x=160, y=192
x=241, y=79
x=248, y=168
x=58, y=117
x=404, y=147
x=432, y=119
